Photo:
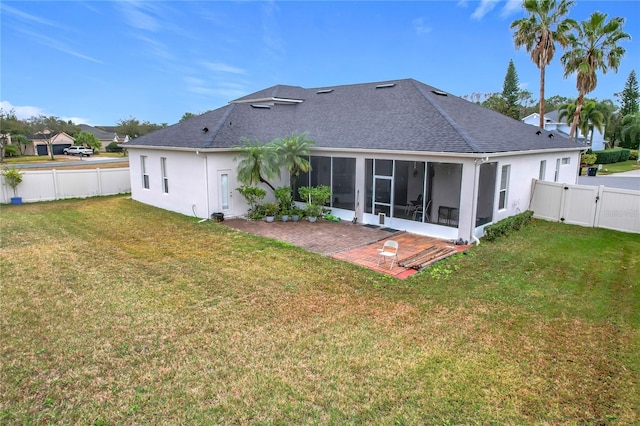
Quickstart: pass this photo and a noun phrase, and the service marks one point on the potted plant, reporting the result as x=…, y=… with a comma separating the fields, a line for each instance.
x=295, y=213
x=313, y=211
x=285, y=214
x=270, y=209
x=13, y=178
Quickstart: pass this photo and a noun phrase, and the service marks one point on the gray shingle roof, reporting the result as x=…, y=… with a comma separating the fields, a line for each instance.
x=99, y=133
x=408, y=116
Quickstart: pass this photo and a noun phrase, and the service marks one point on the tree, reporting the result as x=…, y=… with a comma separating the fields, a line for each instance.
x=496, y=103
x=292, y=154
x=8, y=125
x=88, y=139
x=133, y=128
x=47, y=128
x=258, y=164
x=555, y=102
x=539, y=32
x=21, y=141
x=631, y=131
x=594, y=48
x=630, y=95
x=510, y=92
x=526, y=100
x=187, y=115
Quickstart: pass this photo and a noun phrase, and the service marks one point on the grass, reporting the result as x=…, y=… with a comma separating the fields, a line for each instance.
x=114, y=312
x=623, y=166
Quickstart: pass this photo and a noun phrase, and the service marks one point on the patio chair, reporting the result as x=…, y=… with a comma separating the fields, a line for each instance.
x=389, y=250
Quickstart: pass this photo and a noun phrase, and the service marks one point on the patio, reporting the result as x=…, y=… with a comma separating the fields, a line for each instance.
x=353, y=243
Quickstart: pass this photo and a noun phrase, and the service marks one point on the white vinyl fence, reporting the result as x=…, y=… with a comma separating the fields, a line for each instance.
x=47, y=185
x=593, y=206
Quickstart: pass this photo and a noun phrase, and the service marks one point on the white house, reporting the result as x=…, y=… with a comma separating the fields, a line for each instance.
x=398, y=153
x=552, y=123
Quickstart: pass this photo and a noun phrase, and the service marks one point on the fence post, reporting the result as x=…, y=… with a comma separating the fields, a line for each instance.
x=596, y=216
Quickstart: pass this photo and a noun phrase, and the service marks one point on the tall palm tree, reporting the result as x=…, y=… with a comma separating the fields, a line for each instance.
x=591, y=116
x=594, y=48
x=540, y=31
x=259, y=163
x=293, y=153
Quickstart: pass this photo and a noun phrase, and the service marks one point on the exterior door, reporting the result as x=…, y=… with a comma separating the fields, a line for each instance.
x=225, y=192
x=382, y=193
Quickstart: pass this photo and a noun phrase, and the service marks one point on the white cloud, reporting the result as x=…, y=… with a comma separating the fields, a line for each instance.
x=23, y=112
x=27, y=16
x=420, y=26
x=485, y=7
x=220, y=67
x=57, y=45
x=137, y=17
x=511, y=7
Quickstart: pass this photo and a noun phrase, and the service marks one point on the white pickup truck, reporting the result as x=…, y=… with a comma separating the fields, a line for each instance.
x=78, y=150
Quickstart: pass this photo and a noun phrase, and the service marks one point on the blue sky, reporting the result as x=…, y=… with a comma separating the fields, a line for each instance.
x=98, y=62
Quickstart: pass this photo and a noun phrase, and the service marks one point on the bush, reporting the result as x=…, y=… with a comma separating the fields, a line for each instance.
x=11, y=151
x=614, y=155
x=588, y=159
x=114, y=147
x=505, y=226
x=633, y=154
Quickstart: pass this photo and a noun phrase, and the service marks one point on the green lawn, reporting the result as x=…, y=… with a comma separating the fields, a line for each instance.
x=114, y=312
x=623, y=166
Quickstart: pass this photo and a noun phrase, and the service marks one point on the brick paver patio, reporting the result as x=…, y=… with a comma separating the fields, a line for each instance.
x=353, y=243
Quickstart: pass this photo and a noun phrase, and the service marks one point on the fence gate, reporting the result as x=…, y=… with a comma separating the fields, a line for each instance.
x=592, y=206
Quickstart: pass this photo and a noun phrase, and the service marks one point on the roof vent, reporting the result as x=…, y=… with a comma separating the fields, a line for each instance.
x=260, y=106
x=550, y=135
x=205, y=129
x=538, y=133
x=319, y=92
x=384, y=86
x=439, y=93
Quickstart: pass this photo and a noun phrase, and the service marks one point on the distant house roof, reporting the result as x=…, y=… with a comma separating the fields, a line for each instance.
x=103, y=135
x=399, y=115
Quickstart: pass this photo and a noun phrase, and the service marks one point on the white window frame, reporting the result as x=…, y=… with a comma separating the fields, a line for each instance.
x=566, y=161
x=556, y=174
x=543, y=170
x=165, y=178
x=143, y=171
x=503, y=194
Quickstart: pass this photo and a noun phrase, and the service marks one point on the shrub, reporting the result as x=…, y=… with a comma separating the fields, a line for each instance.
x=505, y=226
x=114, y=147
x=11, y=151
x=614, y=155
x=633, y=154
x=588, y=159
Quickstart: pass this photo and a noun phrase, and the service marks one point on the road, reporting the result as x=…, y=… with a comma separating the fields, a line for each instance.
x=625, y=180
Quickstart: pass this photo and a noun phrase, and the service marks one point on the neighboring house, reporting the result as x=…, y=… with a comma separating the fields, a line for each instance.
x=400, y=154
x=39, y=146
x=552, y=123
x=105, y=137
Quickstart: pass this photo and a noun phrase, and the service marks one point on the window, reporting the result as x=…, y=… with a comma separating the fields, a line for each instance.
x=543, y=170
x=504, y=187
x=165, y=179
x=143, y=169
x=556, y=174
x=565, y=161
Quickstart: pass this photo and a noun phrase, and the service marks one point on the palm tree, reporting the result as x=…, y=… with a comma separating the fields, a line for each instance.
x=594, y=48
x=540, y=31
x=591, y=116
x=293, y=153
x=631, y=131
x=259, y=163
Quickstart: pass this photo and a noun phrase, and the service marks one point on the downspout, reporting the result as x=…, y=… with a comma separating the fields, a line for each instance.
x=206, y=177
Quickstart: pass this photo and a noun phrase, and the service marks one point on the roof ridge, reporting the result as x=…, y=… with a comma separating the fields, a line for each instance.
x=219, y=125
x=463, y=134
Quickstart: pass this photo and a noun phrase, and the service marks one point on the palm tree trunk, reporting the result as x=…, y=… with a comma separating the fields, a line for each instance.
x=542, y=97
x=576, y=117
